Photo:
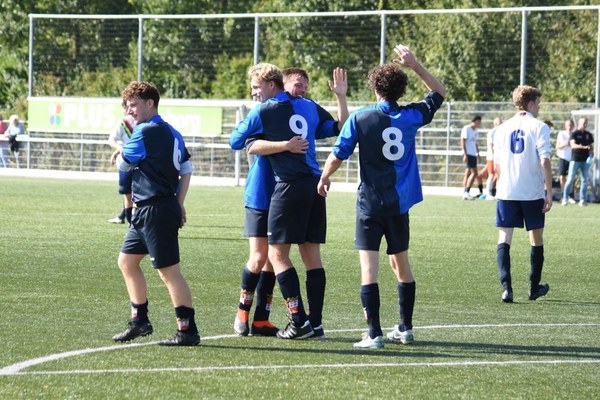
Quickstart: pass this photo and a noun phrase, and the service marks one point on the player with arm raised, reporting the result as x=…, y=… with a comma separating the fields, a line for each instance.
x=297, y=214
x=390, y=184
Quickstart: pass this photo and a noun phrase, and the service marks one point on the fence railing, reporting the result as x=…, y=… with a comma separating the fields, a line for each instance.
x=438, y=146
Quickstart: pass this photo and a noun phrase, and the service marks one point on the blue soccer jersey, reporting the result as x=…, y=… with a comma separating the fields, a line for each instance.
x=281, y=118
x=156, y=151
x=260, y=181
x=260, y=184
x=390, y=182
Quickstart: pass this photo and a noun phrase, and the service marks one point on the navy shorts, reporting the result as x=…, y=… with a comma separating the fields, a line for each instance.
x=471, y=161
x=297, y=213
x=256, y=222
x=512, y=214
x=370, y=230
x=563, y=167
x=125, y=181
x=154, y=230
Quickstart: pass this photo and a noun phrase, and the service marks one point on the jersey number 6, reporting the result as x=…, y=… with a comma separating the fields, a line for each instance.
x=517, y=144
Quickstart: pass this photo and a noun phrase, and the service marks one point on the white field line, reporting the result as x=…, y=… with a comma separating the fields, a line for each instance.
x=17, y=368
x=310, y=366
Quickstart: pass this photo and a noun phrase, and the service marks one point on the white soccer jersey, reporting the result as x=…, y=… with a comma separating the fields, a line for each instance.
x=120, y=135
x=470, y=135
x=565, y=152
x=519, y=146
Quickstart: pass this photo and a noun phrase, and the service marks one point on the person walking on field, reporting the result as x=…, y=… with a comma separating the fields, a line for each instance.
x=468, y=143
x=524, y=188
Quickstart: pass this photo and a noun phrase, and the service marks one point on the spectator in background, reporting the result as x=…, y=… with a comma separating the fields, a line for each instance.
x=117, y=140
x=3, y=143
x=15, y=128
x=563, y=151
x=581, y=143
x=487, y=172
x=468, y=143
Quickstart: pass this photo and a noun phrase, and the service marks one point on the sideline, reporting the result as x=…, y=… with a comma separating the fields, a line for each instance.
x=196, y=180
x=16, y=369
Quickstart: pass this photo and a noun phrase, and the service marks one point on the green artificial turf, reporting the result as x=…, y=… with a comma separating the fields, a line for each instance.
x=61, y=292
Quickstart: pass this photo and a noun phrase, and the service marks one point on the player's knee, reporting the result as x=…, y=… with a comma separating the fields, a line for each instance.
x=256, y=262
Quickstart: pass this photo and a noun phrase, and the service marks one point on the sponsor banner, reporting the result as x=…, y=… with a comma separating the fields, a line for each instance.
x=101, y=115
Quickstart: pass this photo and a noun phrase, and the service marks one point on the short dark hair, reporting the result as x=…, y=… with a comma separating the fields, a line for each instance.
x=142, y=89
x=295, y=71
x=476, y=118
x=388, y=81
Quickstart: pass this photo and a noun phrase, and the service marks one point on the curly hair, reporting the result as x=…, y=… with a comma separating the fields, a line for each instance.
x=388, y=81
x=522, y=95
x=143, y=90
x=266, y=72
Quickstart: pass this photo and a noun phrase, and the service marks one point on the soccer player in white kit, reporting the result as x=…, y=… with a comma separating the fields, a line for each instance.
x=524, y=187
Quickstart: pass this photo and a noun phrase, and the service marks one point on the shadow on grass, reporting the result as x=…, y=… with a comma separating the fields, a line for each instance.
x=430, y=349
x=387, y=352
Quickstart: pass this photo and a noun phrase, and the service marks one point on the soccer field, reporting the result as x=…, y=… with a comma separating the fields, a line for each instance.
x=63, y=297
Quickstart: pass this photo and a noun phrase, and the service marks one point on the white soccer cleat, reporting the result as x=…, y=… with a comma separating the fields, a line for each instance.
x=404, y=337
x=370, y=343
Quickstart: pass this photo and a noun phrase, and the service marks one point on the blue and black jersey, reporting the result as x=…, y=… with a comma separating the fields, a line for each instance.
x=390, y=182
x=281, y=118
x=156, y=150
x=260, y=184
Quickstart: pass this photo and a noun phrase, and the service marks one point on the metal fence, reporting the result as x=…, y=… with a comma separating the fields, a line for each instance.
x=186, y=54
x=438, y=146
x=64, y=48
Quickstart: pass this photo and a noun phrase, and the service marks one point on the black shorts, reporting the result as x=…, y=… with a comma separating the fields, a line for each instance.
x=154, y=230
x=563, y=167
x=125, y=181
x=370, y=230
x=256, y=222
x=512, y=214
x=297, y=213
x=471, y=161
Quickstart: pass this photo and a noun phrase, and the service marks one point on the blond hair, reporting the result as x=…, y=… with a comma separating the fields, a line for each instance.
x=266, y=72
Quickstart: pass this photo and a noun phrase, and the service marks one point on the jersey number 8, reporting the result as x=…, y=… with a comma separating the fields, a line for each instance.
x=393, y=139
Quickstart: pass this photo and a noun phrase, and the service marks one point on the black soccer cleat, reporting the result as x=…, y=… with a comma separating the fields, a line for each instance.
x=265, y=328
x=182, y=339
x=318, y=333
x=133, y=331
x=541, y=290
x=292, y=331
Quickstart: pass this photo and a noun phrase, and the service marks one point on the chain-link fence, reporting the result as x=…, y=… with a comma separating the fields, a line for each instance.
x=479, y=54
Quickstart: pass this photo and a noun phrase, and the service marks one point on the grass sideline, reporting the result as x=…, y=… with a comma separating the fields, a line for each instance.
x=62, y=292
